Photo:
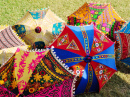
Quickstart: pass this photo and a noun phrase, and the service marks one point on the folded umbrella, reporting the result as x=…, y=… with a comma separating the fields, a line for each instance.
x=89, y=53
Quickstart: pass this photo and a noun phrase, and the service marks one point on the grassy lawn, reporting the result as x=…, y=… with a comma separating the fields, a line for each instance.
x=12, y=10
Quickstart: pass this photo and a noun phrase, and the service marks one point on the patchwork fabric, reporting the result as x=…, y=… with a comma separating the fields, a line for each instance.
x=37, y=26
x=94, y=48
x=62, y=89
x=47, y=73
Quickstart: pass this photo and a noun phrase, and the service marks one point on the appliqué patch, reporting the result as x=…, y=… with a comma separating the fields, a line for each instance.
x=97, y=45
x=63, y=40
x=72, y=45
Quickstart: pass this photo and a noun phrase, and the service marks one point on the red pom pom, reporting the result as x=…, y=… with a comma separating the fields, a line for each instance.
x=38, y=29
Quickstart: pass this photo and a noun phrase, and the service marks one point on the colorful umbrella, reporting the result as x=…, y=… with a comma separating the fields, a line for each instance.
x=123, y=39
x=9, y=42
x=29, y=72
x=103, y=16
x=9, y=74
x=89, y=53
x=36, y=27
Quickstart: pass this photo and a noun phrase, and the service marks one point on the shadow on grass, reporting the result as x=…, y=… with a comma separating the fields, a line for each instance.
x=115, y=87
x=122, y=67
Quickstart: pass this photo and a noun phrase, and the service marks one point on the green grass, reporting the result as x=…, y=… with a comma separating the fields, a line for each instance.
x=12, y=10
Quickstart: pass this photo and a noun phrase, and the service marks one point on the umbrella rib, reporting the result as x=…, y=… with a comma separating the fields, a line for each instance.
x=86, y=41
x=74, y=59
x=103, y=56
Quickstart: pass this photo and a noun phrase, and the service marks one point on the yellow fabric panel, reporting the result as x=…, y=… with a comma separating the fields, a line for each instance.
x=23, y=60
x=83, y=13
x=27, y=20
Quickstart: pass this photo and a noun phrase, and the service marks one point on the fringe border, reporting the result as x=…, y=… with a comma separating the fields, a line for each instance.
x=67, y=68
x=119, y=47
x=61, y=62
x=73, y=85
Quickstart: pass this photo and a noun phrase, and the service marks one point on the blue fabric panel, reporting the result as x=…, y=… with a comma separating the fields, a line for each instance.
x=110, y=62
x=57, y=27
x=63, y=54
x=20, y=29
x=83, y=83
x=89, y=30
x=95, y=85
x=127, y=61
x=37, y=15
x=126, y=29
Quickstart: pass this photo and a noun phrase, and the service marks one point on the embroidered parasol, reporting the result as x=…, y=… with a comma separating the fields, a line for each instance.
x=9, y=76
x=29, y=72
x=35, y=28
x=123, y=39
x=89, y=53
x=103, y=16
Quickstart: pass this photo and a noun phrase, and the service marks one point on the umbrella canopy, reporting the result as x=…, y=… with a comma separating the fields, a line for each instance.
x=9, y=42
x=64, y=88
x=11, y=73
x=89, y=53
x=36, y=27
x=6, y=93
x=29, y=72
x=103, y=16
x=123, y=39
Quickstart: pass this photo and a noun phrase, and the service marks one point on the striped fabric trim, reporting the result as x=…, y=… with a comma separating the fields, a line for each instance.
x=9, y=39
